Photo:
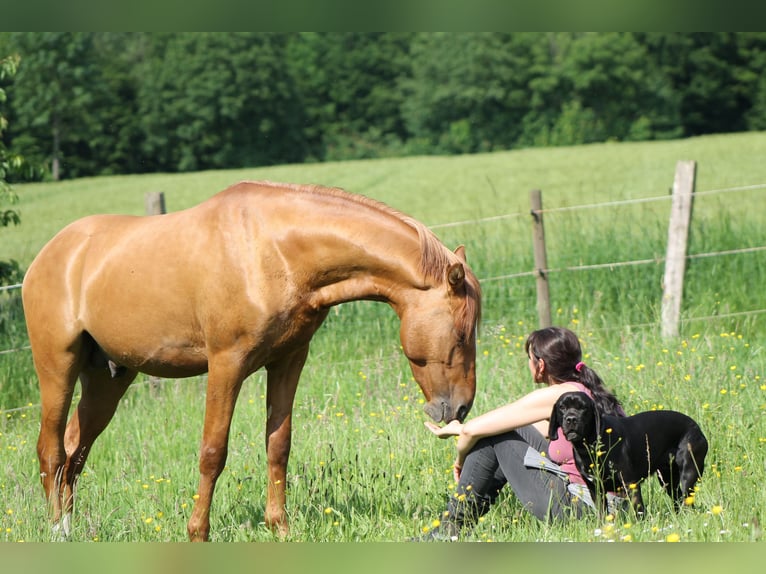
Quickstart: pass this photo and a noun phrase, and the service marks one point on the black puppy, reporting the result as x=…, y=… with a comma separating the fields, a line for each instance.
x=614, y=454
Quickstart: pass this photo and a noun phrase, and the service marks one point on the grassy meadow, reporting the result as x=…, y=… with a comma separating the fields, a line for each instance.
x=362, y=466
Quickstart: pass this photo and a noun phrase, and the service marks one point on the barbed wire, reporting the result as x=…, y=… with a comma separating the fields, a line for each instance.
x=616, y=264
x=598, y=205
x=393, y=357
x=589, y=267
x=16, y=350
x=474, y=221
x=152, y=381
x=534, y=273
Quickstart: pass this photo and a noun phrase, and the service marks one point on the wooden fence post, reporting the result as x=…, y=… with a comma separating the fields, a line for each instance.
x=541, y=260
x=154, y=203
x=678, y=234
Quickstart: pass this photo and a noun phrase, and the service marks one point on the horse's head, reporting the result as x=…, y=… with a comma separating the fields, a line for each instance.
x=438, y=335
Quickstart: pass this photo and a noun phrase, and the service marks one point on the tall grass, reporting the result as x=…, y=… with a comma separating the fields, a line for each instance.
x=364, y=468
x=362, y=465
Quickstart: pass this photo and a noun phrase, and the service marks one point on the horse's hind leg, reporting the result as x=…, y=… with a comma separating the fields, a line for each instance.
x=101, y=392
x=63, y=448
x=57, y=373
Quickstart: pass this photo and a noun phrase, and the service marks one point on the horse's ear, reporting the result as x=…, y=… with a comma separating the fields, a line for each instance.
x=456, y=277
x=460, y=252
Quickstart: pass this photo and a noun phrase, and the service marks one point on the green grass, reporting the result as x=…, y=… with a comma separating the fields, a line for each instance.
x=436, y=190
x=362, y=467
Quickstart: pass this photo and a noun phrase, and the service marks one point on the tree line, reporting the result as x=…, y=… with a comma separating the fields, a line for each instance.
x=85, y=104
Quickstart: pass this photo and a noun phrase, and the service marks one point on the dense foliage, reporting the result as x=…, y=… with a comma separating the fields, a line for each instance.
x=100, y=103
x=9, y=164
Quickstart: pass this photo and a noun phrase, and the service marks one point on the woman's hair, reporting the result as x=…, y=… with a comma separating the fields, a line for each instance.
x=561, y=351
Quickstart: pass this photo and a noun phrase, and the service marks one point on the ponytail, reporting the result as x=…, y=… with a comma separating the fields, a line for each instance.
x=606, y=402
x=561, y=350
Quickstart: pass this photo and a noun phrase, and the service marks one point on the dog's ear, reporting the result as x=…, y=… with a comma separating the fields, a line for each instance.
x=555, y=422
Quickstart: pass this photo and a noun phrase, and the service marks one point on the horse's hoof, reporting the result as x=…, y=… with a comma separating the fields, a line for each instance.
x=62, y=530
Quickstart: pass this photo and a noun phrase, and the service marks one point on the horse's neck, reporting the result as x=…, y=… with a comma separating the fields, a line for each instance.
x=334, y=250
x=347, y=259
x=369, y=266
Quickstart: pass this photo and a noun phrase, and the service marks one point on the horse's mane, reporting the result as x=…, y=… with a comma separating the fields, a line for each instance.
x=434, y=255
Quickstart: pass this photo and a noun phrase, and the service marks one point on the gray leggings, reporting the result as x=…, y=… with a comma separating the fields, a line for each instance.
x=499, y=460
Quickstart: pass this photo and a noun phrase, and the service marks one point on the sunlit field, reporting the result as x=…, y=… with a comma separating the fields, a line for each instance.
x=363, y=467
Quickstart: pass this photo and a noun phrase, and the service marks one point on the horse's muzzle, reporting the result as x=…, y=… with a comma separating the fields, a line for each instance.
x=462, y=412
x=441, y=411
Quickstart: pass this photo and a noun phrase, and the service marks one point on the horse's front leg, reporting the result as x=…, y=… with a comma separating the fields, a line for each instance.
x=224, y=382
x=282, y=381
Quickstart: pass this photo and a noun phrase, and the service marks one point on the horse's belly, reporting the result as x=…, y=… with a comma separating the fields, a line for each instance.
x=162, y=362
x=173, y=370
x=159, y=356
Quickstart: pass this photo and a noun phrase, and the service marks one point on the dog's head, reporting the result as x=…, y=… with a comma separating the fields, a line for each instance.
x=576, y=415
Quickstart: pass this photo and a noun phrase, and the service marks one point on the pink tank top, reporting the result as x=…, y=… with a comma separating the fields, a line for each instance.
x=560, y=450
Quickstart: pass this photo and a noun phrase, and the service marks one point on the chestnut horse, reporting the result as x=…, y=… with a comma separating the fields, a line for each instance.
x=239, y=282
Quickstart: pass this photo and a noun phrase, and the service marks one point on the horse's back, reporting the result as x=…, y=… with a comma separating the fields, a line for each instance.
x=62, y=257
x=155, y=290
x=77, y=250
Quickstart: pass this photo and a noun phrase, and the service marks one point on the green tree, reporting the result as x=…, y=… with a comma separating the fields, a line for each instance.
x=212, y=100
x=715, y=76
x=115, y=147
x=752, y=51
x=619, y=90
x=713, y=100
x=9, y=270
x=468, y=91
x=597, y=86
x=8, y=162
x=348, y=88
x=548, y=96
x=55, y=92
x=99, y=103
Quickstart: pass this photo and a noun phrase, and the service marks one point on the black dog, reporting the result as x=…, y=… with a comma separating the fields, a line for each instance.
x=614, y=454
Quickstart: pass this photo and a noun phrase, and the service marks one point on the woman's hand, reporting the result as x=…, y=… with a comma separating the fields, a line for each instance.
x=450, y=429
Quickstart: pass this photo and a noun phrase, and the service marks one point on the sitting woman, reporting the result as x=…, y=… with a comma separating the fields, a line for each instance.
x=508, y=445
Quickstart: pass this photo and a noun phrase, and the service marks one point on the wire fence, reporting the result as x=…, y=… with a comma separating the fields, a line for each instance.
x=614, y=265
x=584, y=267
x=615, y=203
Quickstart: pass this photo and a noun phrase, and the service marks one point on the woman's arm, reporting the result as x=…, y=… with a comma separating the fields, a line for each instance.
x=531, y=408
